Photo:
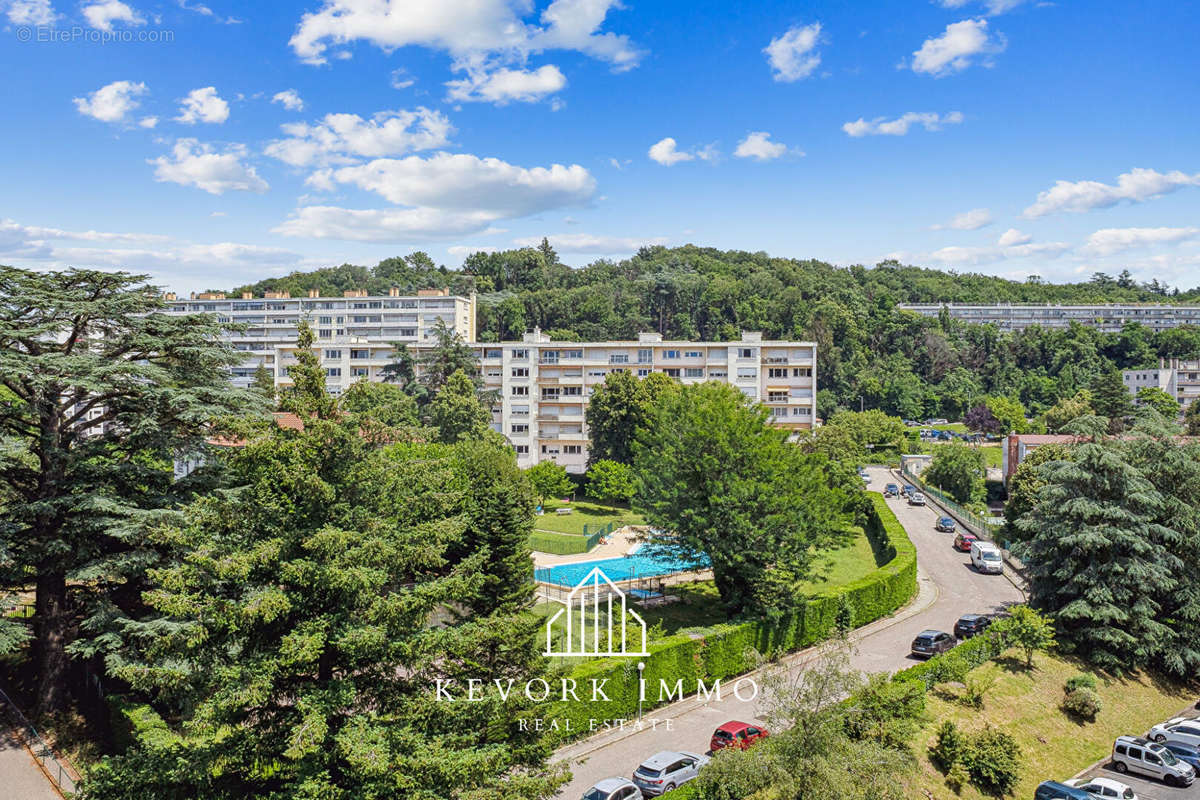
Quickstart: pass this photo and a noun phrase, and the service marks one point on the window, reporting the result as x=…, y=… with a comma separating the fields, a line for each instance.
x=717, y=373
x=572, y=449
x=775, y=372
x=802, y=412
x=520, y=354
x=492, y=352
x=693, y=372
x=520, y=372
x=777, y=397
x=745, y=352
x=522, y=449
x=672, y=372
x=645, y=356
x=693, y=354
x=333, y=372
x=520, y=428
x=359, y=372
x=619, y=358
x=572, y=354
x=408, y=332
x=520, y=391
x=747, y=372
x=670, y=354
x=643, y=373
x=360, y=354
x=802, y=372
x=324, y=333
x=333, y=353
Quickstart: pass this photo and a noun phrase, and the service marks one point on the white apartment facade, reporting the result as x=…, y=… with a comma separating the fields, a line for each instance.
x=354, y=332
x=1110, y=318
x=541, y=386
x=1179, y=379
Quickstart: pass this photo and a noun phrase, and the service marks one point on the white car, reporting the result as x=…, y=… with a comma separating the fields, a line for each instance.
x=613, y=789
x=1180, y=729
x=667, y=770
x=916, y=499
x=1103, y=787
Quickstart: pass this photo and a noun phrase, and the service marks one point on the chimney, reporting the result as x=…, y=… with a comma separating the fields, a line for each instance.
x=192, y=296
x=247, y=295
x=433, y=292
x=394, y=291
x=314, y=293
x=168, y=296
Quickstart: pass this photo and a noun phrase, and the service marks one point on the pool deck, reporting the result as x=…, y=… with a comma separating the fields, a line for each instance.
x=619, y=543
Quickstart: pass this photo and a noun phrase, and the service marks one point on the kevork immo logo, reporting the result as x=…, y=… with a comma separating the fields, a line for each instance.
x=596, y=622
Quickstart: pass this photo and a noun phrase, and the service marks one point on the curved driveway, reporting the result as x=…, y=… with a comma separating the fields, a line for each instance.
x=949, y=588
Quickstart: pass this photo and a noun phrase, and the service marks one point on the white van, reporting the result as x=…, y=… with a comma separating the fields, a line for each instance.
x=987, y=558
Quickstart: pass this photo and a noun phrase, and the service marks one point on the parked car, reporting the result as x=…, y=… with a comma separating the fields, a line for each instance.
x=916, y=499
x=1106, y=788
x=613, y=789
x=987, y=558
x=1180, y=729
x=1144, y=757
x=969, y=625
x=1187, y=753
x=891, y=490
x=736, y=734
x=1053, y=790
x=930, y=643
x=667, y=770
x=963, y=542
x=907, y=490
x=945, y=525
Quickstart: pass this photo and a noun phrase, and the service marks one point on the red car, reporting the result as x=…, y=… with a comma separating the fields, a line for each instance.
x=736, y=734
x=962, y=542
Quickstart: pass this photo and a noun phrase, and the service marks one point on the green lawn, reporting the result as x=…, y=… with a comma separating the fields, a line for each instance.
x=1028, y=705
x=585, y=512
x=992, y=454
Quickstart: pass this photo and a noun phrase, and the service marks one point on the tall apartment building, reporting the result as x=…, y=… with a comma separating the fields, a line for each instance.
x=542, y=386
x=1109, y=318
x=1179, y=379
x=354, y=332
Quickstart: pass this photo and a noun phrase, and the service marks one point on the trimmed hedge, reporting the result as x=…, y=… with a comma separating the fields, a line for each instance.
x=974, y=652
x=731, y=650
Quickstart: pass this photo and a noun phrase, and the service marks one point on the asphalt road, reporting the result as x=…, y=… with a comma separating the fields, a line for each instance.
x=1145, y=788
x=950, y=588
x=20, y=776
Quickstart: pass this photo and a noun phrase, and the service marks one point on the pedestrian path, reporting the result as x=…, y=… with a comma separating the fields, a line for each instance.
x=20, y=776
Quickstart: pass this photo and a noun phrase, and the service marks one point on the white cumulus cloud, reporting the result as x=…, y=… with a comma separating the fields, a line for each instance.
x=203, y=105
x=881, y=126
x=111, y=103
x=192, y=163
x=102, y=15
x=341, y=138
x=971, y=220
x=666, y=152
x=758, y=145
x=589, y=243
x=474, y=31
x=794, y=55
x=30, y=12
x=289, y=99
x=959, y=46
x=1108, y=241
x=503, y=86
x=1012, y=236
x=1135, y=186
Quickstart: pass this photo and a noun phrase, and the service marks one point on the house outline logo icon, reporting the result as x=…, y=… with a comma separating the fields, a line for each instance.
x=602, y=634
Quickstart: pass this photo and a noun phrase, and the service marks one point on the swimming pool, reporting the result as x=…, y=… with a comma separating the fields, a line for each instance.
x=621, y=568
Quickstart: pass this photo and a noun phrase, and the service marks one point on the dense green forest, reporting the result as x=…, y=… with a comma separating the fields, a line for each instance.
x=872, y=355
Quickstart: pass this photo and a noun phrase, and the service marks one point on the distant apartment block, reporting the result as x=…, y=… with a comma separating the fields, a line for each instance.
x=542, y=387
x=1179, y=379
x=1109, y=318
x=354, y=332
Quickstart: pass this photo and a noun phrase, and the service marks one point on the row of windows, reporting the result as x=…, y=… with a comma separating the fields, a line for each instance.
x=796, y=372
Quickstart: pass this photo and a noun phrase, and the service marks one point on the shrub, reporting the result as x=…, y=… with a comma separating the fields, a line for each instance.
x=957, y=777
x=1085, y=680
x=978, y=684
x=993, y=760
x=1082, y=703
x=947, y=751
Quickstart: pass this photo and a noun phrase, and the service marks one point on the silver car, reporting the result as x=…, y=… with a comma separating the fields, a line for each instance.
x=613, y=789
x=664, y=771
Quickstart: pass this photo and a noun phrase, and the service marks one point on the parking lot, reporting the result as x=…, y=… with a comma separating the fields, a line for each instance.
x=1147, y=789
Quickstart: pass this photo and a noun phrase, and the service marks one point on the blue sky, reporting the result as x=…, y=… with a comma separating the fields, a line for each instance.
x=211, y=144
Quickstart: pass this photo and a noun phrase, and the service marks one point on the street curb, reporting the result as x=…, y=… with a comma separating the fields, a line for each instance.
x=920, y=602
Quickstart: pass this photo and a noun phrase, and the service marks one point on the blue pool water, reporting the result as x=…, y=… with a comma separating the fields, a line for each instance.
x=618, y=569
